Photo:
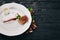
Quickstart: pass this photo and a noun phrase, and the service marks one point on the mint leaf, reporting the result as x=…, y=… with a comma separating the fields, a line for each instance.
x=18, y=17
x=30, y=9
x=32, y=17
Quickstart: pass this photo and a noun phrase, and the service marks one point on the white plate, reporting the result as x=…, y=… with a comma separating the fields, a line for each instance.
x=13, y=28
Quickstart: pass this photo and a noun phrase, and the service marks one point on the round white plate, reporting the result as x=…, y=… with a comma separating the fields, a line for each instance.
x=13, y=28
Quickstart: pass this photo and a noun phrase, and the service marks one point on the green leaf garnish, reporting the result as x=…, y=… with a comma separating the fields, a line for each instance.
x=18, y=17
x=30, y=9
x=32, y=17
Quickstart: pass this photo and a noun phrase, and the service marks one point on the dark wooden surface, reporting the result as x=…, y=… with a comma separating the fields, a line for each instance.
x=47, y=16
